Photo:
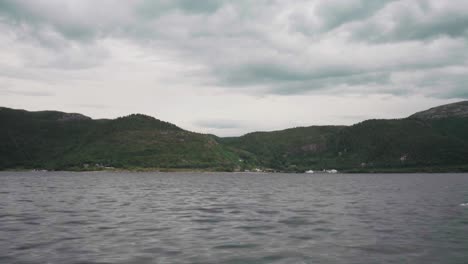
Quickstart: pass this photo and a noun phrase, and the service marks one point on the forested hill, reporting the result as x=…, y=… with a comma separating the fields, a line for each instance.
x=61, y=141
x=455, y=110
x=432, y=140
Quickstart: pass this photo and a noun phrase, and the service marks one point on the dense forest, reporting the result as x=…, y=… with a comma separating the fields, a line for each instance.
x=430, y=141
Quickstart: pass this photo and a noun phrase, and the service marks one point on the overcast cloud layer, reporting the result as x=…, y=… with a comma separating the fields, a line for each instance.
x=230, y=67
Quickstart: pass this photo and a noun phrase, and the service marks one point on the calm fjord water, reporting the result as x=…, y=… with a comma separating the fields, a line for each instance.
x=104, y=217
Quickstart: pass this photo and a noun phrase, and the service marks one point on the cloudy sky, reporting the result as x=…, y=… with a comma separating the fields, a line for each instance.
x=231, y=67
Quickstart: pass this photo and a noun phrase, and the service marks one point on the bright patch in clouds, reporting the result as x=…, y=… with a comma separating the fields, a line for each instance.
x=231, y=67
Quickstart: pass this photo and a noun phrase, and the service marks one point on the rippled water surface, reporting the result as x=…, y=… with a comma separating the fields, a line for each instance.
x=232, y=218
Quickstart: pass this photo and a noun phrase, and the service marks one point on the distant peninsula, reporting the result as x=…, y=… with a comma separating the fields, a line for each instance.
x=435, y=140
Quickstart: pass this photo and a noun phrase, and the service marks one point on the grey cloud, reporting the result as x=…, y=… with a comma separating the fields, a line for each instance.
x=10, y=72
x=356, y=117
x=93, y=106
x=281, y=76
x=45, y=48
x=152, y=8
x=333, y=14
x=79, y=20
x=415, y=21
x=336, y=13
x=462, y=94
x=23, y=13
x=220, y=124
x=351, y=83
x=280, y=79
x=270, y=47
x=455, y=84
x=73, y=58
x=8, y=91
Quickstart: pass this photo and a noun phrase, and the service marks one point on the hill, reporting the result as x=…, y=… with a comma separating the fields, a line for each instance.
x=431, y=140
x=405, y=144
x=56, y=140
x=455, y=110
x=293, y=149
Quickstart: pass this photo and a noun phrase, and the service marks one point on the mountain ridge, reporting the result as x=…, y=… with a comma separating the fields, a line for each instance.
x=458, y=109
x=431, y=140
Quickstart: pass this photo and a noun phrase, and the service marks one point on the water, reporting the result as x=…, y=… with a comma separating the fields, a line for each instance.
x=232, y=218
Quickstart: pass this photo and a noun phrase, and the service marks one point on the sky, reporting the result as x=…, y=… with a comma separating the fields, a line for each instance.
x=232, y=67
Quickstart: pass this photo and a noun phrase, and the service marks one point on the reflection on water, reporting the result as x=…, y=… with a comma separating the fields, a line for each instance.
x=106, y=217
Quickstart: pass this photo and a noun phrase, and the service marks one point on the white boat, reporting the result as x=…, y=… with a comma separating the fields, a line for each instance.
x=309, y=171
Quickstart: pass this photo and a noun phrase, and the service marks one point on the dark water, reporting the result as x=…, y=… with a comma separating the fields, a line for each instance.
x=233, y=218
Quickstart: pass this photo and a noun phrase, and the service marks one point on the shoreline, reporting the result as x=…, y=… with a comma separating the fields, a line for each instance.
x=456, y=169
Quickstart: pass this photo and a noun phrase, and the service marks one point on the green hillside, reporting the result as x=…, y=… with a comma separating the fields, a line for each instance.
x=432, y=140
x=292, y=149
x=48, y=140
x=405, y=143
